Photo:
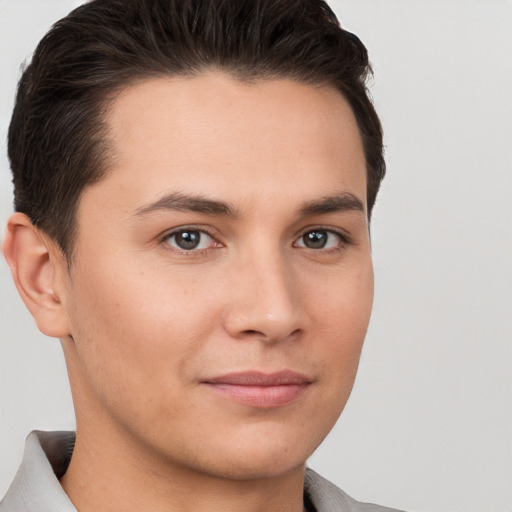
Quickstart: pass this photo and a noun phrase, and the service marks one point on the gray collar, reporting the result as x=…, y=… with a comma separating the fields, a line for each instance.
x=36, y=487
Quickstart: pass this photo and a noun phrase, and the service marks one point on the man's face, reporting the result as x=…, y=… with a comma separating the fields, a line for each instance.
x=222, y=281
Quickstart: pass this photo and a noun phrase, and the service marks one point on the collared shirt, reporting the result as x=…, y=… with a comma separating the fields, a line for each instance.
x=36, y=486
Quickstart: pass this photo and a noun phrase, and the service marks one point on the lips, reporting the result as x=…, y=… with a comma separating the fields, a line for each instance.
x=257, y=389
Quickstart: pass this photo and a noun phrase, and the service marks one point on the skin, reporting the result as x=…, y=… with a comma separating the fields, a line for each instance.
x=146, y=325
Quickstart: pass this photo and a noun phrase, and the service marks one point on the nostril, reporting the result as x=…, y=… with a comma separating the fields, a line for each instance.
x=272, y=337
x=251, y=331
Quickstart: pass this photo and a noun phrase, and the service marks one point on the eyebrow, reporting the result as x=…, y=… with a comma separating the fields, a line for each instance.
x=178, y=201
x=344, y=202
x=188, y=203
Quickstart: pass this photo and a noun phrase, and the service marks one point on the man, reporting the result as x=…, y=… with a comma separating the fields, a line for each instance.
x=193, y=187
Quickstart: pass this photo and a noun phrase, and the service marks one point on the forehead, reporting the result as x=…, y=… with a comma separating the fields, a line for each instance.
x=219, y=136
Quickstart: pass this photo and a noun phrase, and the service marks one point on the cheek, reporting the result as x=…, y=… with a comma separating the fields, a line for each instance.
x=134, y=335
x=342, y=300
x=342, y=311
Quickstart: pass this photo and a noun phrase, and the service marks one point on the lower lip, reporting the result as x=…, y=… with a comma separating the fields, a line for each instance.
x=260, y=396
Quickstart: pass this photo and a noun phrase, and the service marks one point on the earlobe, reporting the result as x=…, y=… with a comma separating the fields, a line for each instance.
x=37, y=267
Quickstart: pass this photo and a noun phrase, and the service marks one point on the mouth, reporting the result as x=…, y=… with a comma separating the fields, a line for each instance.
x=258, y=389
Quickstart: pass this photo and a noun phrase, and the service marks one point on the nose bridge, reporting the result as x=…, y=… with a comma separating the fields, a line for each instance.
x=266, y=301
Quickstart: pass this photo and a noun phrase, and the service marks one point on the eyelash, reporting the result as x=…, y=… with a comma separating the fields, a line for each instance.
x=191, y=229
x=344, y=240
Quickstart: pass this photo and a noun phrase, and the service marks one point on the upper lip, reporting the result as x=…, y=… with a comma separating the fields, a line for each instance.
x=257, y=378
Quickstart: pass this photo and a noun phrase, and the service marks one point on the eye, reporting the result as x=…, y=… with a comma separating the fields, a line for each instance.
x=320, y=239
x=190, y=240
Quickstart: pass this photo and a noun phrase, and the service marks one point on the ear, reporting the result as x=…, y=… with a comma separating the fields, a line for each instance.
x=39, y=268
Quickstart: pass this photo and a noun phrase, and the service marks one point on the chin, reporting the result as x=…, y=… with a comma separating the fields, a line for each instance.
x=250, y=469
x=268, y=458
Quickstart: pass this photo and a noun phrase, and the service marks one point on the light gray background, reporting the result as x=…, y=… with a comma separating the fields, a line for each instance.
x=428, y=427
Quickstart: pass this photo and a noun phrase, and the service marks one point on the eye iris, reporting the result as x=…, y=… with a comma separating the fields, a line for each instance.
x=315, y=239
x=188, y=240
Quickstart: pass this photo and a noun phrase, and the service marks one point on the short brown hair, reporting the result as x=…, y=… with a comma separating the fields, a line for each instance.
x=57, y=139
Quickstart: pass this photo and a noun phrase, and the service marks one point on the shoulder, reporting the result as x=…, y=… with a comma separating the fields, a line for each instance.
x=327, y=497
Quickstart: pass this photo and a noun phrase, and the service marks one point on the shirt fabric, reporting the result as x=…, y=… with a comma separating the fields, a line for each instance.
x=36, y=486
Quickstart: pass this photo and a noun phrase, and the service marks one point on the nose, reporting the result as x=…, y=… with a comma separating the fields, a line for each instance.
x=265, y=302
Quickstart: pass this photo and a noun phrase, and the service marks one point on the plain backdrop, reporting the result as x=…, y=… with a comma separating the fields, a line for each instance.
x=429, y=424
